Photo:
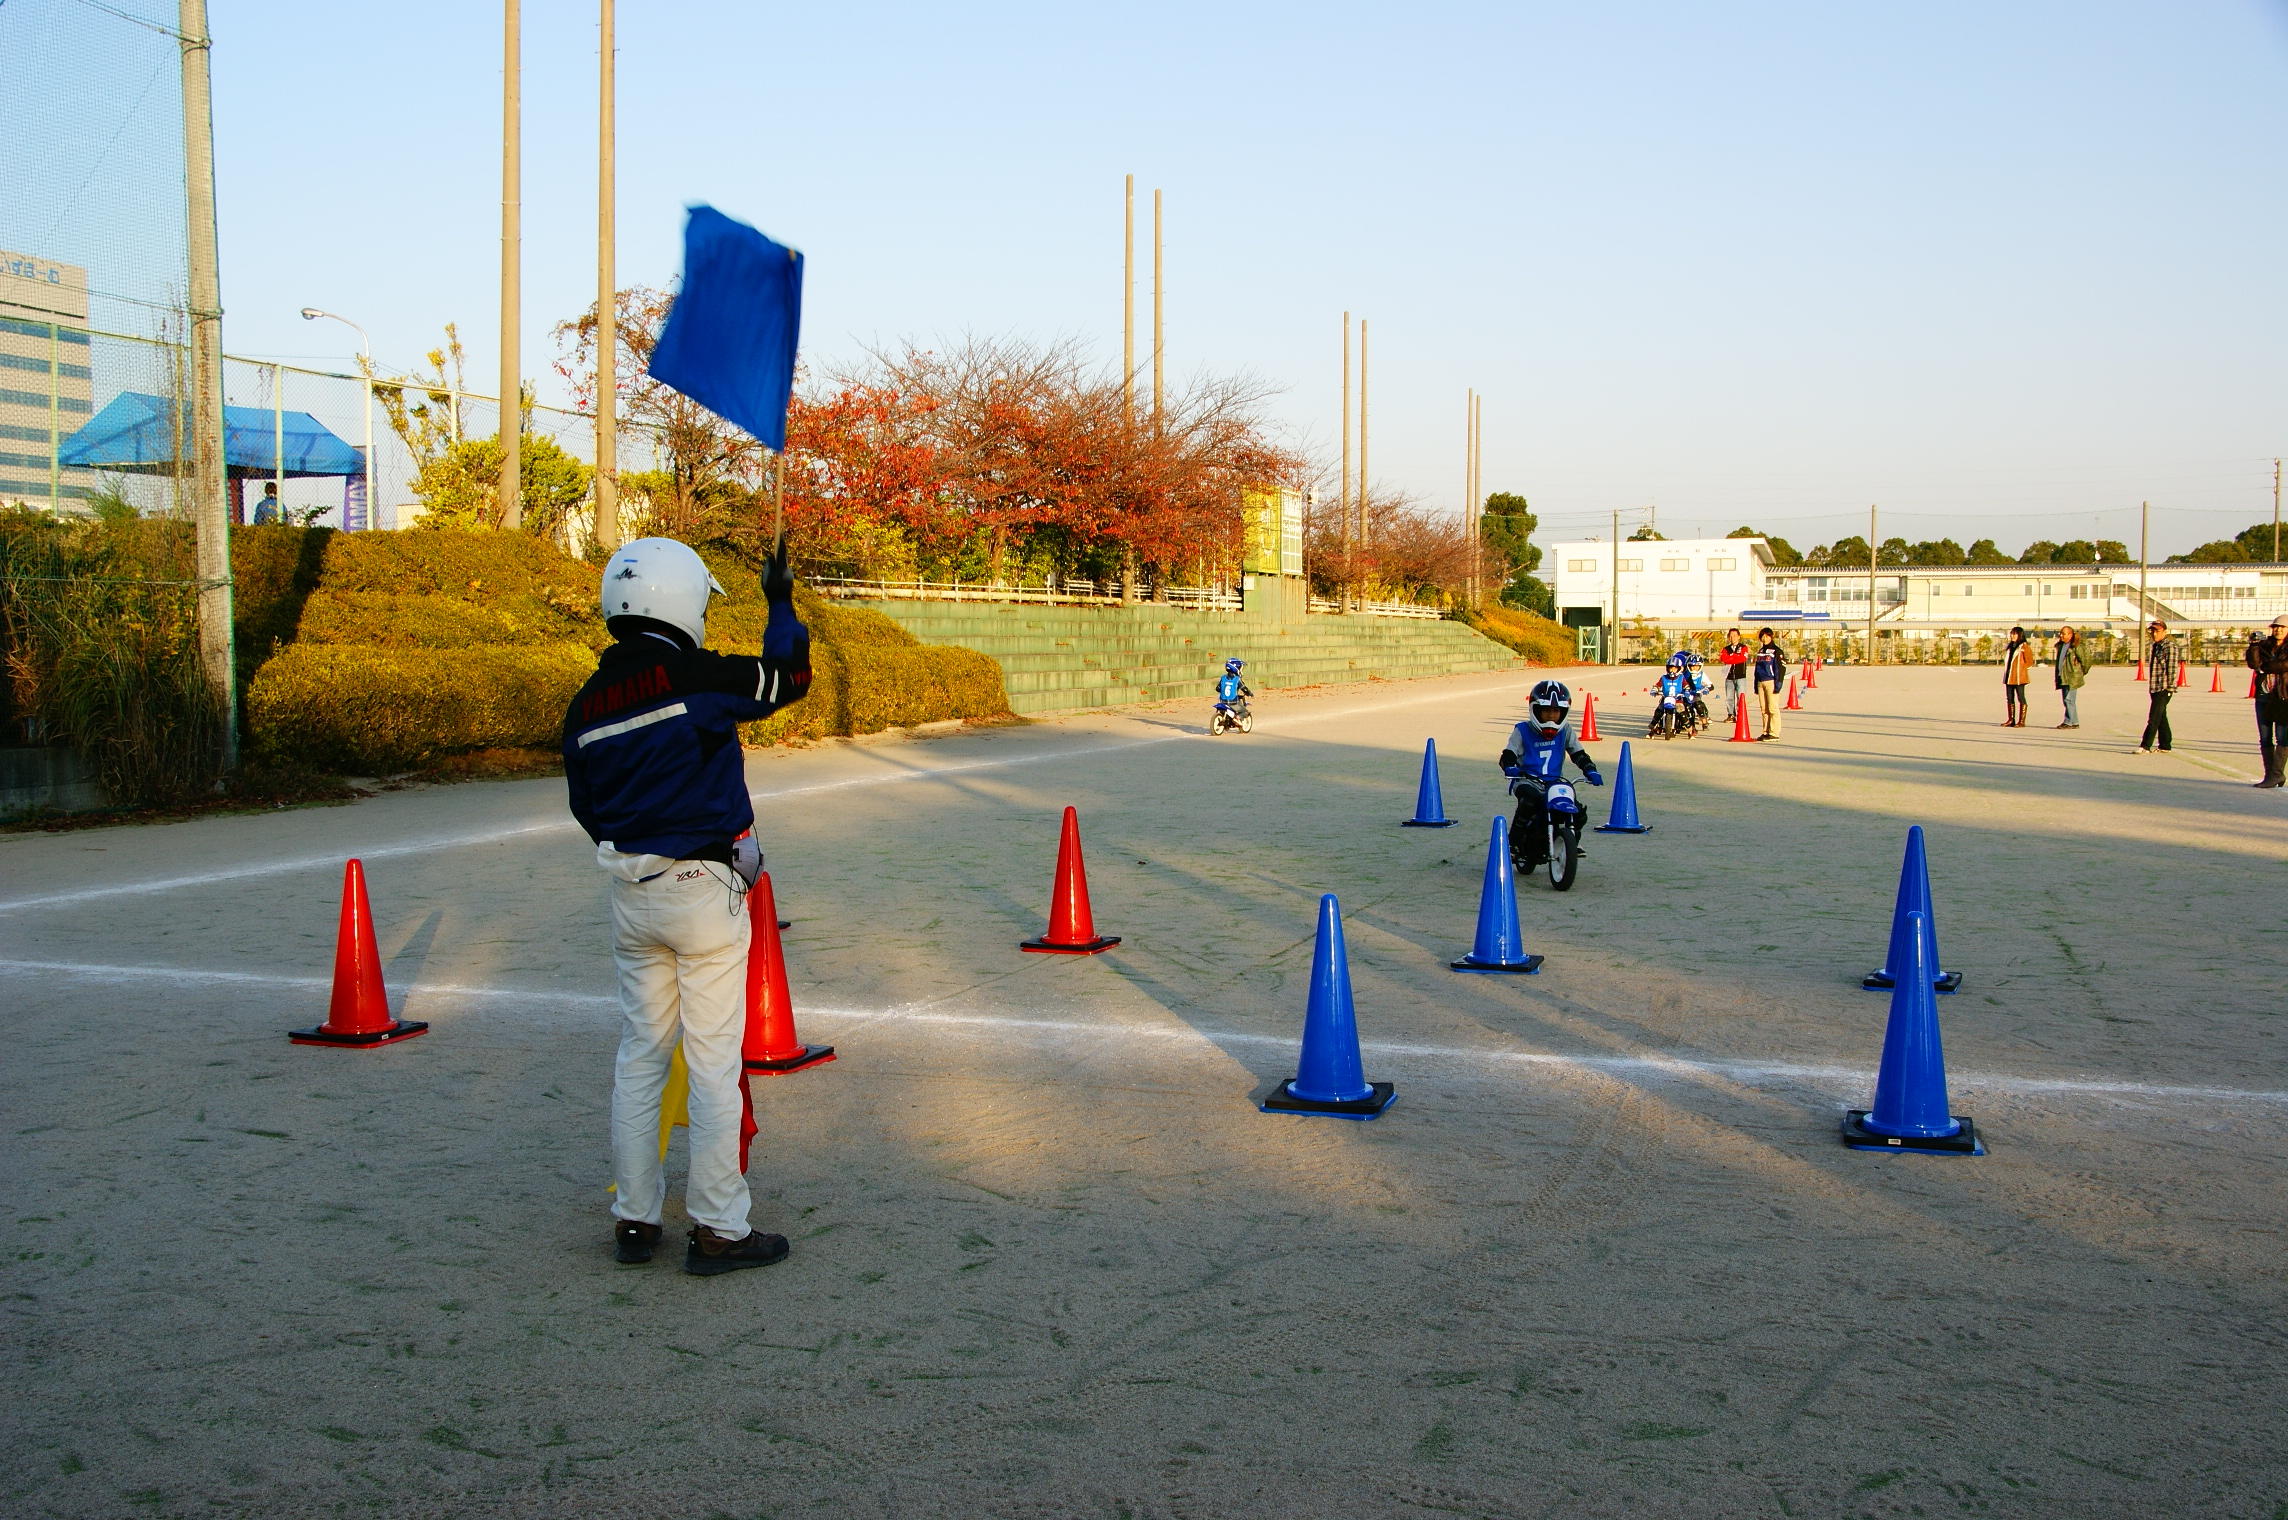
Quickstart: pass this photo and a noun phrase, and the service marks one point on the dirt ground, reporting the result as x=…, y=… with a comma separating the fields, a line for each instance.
x=1605, y=1257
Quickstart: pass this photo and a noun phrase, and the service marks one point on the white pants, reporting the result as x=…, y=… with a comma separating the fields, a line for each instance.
x=680, y=941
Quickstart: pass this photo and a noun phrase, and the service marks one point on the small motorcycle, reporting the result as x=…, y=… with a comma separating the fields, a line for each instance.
x=1230, y=715
x=1672, y=717
x=1562, y=816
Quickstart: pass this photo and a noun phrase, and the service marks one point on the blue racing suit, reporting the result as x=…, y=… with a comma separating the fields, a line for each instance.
x=1539, y=759
x=1231, y=688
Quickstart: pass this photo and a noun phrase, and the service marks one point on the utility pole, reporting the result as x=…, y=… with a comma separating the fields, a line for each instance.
x=1470, y=486
x=1343, y=496
x=1128, y=308
x=210, y=494
x=511, y=260
x=2144, y=562
x=2276, y=511
x=1159, y=290
x=1362, y=420
x=607, y=302
x=1871, y=555
x=1613, y=642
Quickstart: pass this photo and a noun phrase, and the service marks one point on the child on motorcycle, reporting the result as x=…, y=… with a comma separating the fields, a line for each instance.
x=1232, y=692
x=1672, y=693
x=1536, y=755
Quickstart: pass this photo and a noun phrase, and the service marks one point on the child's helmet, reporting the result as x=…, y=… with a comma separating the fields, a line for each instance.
x=1231, y=666
x=1553, y=695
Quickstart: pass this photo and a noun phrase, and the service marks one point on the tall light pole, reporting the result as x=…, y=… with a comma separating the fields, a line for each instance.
x=1363, y=531
x=607, y=297
x=210, y=493
x=511, y=260
x=365, y=368
x=1871, y=553
x=1128, y=306
x=1159, y=293
x=1343, y=495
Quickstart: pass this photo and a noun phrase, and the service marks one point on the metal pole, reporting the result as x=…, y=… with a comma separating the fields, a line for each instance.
x=2144, y=561
x=1870, y=585
x=1470, y=482
x=1128, y=306
x=1613, y=645
x=210, y=497
x=1159, y=291
x=607, y=295
x=278, y=436
x=372, y=498
x=1363, y=529
x=1343, y=496
x=511, y=258
x=56, y=411
x=1478, y=492
x=2276, y=511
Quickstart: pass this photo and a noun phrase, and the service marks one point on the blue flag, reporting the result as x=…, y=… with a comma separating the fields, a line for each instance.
x=730, y=338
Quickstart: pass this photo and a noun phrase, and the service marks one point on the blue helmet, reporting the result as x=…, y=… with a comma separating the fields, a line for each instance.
x=1676, y=658
x=1231, y=666
x=1549, y=694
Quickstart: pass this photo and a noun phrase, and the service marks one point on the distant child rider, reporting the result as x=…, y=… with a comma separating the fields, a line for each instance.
x=1230, y=688
x=652, y=759
x=1536, y=756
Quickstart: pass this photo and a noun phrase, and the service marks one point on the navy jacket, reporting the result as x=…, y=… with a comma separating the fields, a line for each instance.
x=651, y=743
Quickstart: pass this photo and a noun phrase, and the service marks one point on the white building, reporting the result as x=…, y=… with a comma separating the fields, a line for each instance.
x=1672, y=581
x=1681, y=584
x=46, y=383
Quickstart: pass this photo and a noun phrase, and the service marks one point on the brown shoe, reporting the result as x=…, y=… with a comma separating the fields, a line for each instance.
x=711, y=1255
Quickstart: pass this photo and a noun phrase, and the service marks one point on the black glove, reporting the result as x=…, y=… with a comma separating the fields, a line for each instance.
x=778, y=580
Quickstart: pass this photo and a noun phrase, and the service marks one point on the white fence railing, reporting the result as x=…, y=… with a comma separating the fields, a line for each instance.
x=1079, y=593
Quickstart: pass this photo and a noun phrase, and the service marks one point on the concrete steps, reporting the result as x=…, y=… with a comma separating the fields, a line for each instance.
x=1058, y=659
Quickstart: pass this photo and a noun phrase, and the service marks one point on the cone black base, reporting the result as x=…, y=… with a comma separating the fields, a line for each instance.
x=1427, y=823
x=1963, y=1142
x=1045, y=946
x=1623, y=828
x=1526, y=967
x=403, y=1029
x=779, y=1066
x=1880, y=981
x=1284, y=1101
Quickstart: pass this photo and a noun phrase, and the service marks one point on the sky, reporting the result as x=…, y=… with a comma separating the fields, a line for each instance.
x=2003, y=270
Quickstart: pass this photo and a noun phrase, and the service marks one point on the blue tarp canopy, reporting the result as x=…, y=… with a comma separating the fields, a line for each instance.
x=136, y=433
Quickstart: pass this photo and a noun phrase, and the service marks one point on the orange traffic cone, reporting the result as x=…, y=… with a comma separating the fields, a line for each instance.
x=1072, y=928
x=2180, y=676
x=2139, y=674
x=359, y=1012
x=1811, y=674
x=2216, y=679
x=1792, y=704
x=1589, y=717
x=770, y=1046
x=1740, y=734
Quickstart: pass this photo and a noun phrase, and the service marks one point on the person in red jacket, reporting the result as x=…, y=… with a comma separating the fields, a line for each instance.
x=1735, y=656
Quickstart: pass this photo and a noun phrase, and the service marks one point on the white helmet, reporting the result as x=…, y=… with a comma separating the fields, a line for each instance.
x=661, y=579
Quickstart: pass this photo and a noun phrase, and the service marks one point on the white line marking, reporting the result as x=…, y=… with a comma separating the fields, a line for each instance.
x=496, y=836
x=1749, y=1073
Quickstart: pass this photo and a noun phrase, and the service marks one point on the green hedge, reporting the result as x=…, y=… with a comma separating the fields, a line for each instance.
x=1543, y=641
x=372, y=711
x=419, y=645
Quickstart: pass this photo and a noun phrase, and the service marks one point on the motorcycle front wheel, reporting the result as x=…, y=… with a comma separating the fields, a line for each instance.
x=1564, y=855
x=1247, y=724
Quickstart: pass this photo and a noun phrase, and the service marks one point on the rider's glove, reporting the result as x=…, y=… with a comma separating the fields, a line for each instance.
x=1594, y=778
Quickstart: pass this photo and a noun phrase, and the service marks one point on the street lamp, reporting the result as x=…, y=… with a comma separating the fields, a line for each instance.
x=365, y=368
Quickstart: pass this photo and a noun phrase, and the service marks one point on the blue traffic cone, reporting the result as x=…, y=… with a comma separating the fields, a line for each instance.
x=1623, y=817
x=1914, y=897
x=1330, y=1079
x=1911, y=1111
x=1500, y=945
x=1429, y=806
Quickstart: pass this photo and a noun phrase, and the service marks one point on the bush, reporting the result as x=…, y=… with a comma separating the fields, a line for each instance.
x=372, y=710
x=435, y=622
x=1541, y=640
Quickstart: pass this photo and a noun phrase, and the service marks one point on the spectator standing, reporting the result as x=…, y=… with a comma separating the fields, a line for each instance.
x=2071, y=670
x=2160, y=686
x=1735, y=656
x=270, y=509
x=2017, y=670
x=2268, y=657
x=1771, y=671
